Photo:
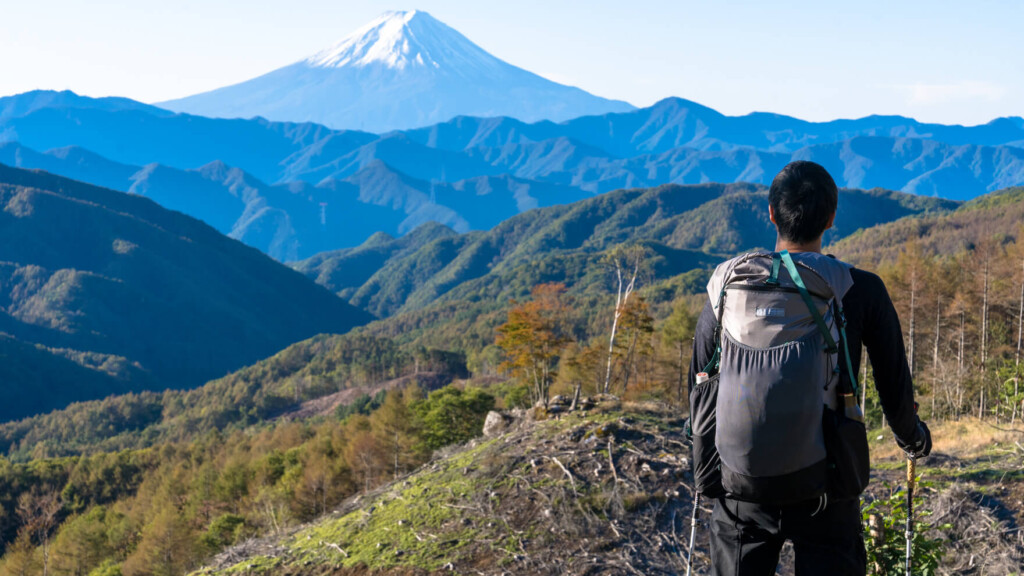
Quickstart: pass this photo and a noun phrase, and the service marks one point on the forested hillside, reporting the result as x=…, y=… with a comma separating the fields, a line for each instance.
x=103, y=293
x=685, y=228
x=271, y=444
x=997, y=215
x=957, y=280
x=272, y=388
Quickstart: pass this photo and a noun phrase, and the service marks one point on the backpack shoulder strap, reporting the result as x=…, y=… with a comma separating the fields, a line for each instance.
x=846, y=349
x=795, y=275
x=716, y=359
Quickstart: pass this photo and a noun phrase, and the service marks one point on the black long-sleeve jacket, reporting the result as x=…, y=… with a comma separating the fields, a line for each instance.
x=871, y=321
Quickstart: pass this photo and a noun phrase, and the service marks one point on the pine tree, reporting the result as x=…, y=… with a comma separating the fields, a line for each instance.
x=395, y=427
x=167, y=548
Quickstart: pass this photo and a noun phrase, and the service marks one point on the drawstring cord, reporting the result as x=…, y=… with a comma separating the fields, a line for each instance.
x=822, y=504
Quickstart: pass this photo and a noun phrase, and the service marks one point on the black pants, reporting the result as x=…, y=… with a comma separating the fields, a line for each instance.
x=747, y=538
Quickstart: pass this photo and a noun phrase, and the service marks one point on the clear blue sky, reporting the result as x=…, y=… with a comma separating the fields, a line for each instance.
x=938, y=60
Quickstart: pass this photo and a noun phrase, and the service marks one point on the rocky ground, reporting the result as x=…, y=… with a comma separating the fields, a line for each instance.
x=598, y=491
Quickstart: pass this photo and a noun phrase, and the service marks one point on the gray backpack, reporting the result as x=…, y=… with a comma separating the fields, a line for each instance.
x=780, y=330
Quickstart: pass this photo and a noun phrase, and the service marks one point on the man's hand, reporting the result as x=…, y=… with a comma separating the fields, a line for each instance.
x=921, y=445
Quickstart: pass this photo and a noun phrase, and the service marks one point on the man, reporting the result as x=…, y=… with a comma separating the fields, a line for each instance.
x=746, y=537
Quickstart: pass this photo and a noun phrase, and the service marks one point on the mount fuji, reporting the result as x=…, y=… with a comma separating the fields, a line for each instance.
x=402, y=70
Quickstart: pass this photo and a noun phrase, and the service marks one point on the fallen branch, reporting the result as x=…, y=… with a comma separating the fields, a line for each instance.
x=611, y=461
x=567, y=473
x=338, y=548
x=1011, y=430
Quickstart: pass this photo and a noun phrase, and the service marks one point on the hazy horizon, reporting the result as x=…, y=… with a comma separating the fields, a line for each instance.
x=931, y=61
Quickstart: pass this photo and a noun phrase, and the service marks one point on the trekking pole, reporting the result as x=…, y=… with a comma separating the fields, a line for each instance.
x=693, y=532
x=911, y=474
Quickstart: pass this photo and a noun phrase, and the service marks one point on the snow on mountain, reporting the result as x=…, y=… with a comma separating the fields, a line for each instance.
x=402, y=70
x=401, y=39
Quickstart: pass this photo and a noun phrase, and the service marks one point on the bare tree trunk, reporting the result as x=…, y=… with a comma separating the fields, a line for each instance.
x=984, y=336
x=1020, y=316
x=984, y=317
x=615, y=327
x=960, y=368
x=1016, y=360
x=621, y=299
x=39, y=511
x=913, y=320
x=935, y=351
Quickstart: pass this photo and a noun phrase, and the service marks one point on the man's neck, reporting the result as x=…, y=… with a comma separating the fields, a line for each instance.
x=781, y=245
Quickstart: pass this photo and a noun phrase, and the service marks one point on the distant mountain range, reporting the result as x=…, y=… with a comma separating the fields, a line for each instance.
x=402, y=70
x=103, y=292
x=293, y=190
x=296, y=220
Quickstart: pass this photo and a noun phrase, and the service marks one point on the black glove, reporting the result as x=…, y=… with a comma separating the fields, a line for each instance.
x=921, y=445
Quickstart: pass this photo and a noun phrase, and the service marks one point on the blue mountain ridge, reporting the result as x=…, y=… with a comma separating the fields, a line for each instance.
x=263, y=182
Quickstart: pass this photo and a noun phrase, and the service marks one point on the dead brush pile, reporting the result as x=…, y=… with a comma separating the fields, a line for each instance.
x=592, y=494
x=982, y=537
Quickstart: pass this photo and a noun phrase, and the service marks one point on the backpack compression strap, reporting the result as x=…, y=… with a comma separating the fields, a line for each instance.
x=795, y=275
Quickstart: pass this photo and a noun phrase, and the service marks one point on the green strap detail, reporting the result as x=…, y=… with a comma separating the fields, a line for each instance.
x=776, y=265
x=846, y=351
x=714, y=361
x=795, y=275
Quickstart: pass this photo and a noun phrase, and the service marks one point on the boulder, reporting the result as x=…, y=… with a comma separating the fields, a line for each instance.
x=496, y=424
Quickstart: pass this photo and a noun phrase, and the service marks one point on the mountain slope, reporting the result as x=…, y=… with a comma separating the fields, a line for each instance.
x=686, y=227
x=402, y=70
x=994, y=215
x=269, y=389
x=145, y=297
x=608, y=491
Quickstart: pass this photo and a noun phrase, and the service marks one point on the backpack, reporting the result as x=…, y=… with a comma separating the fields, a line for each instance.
x=761, y=423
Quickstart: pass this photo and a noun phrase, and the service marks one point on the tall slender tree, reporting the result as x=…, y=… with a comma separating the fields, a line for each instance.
x=626, y=263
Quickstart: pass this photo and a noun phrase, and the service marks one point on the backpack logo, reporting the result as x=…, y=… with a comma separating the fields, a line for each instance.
x=769, y=312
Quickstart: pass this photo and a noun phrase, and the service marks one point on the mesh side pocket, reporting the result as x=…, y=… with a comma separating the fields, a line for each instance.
x=707, y=474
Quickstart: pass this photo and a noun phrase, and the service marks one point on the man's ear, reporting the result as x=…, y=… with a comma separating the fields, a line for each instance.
x=831, y=220
x=771, y=215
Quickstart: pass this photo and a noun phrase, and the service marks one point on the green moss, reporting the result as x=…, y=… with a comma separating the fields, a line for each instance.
x=401, y=527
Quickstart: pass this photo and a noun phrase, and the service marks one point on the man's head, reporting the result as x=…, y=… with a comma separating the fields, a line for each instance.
x=803, y=200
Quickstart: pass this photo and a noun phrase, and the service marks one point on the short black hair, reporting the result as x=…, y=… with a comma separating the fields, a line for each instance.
x=803, y=197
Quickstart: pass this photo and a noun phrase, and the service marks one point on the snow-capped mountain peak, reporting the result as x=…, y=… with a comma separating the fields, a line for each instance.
x=399, y=40
x=402, y=70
